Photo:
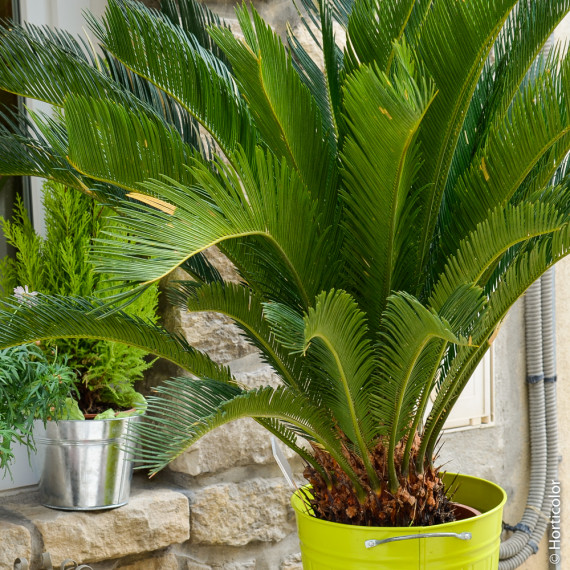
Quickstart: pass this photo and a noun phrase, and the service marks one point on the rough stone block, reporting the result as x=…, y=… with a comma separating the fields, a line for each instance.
x=15, y=542
x=162, y=562
x=292, y=562
x=249, y=565
x=237, y=514
x=252, y=372
x=238, y=443
x=153, y=520
x=190, y=564
x=215, y=334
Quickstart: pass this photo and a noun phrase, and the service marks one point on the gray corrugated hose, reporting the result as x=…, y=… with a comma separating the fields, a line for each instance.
x=541, y=379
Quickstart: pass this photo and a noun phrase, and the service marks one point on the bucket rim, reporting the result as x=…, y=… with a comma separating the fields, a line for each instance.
x=299, y=506
x=90, y=420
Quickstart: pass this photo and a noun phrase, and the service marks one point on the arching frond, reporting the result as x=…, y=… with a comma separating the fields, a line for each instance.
x=154, y=48
x=246, y=310
x=124, y=147
x=270, y=202
x=538, y=119
x=191, y=409
x=47, y=65
x=44, y=317
x=455, y=41
x=407, y=326
x=269, y=83
x=503, y=228
x=527, y=266
x=375, y=27
x=195, y=18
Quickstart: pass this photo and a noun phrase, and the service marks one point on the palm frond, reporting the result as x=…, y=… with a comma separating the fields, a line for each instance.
x=323, y=84
x=407, y=326
x=455, y=41
x=538, y=119
x=269, y=83
x=195, y=18
x=374, y=28
x=270, y=202
x=25, y=152
x=158, y=103
x=514, y=54
x=246, y=310
x=123, y=147
x=334, y=70
x=36, y=145
x=520, y=42
x=161, y=52
x=47, y=65
x=527, y=266
x=379, y=164
x=189, y=409
x=51, y=317
x=504, y=228
x=335, y=334
x=417, y=20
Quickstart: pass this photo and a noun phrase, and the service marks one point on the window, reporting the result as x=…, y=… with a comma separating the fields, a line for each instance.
x=474, y=407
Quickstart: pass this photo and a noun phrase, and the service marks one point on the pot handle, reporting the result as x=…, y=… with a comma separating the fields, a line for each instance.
x=460, y=536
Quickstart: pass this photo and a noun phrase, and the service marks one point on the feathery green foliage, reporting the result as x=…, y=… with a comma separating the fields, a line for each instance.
x=59, y=265
x=31, y=387
x=383, y=210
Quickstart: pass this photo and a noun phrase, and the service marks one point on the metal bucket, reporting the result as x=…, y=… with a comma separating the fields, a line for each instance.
x=85, y=466
x=470, y=544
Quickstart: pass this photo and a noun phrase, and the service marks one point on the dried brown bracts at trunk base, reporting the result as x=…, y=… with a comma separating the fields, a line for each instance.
x=421, y=499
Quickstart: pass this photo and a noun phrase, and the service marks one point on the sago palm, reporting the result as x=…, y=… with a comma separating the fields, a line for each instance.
x=384, y=211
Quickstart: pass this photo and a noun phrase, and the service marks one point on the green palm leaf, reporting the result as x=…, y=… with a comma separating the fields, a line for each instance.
x=245, y=308
x=383, y=116
x=513, y=148
x=46, y=65
x=269, y=83
x=527, y=266
x=374, y=28
x=270, y=202
x=22, y=156
x=123, y=147
x=335, y=335
x=193, y=408
x=45, y=317
x=503, y=228
x=324, y=85
x=161, y=52
x=195, y=18
x=455, y=41
x=407, y=328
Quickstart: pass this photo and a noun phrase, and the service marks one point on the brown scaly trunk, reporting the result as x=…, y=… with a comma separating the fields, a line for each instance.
x=420, y=501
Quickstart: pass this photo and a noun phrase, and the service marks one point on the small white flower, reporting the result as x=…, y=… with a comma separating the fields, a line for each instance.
x=24, y=295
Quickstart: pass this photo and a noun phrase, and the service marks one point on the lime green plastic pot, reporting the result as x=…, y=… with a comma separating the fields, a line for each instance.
x=330, y=546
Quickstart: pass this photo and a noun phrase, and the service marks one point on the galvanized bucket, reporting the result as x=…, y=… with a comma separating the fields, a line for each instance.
x=85, y=467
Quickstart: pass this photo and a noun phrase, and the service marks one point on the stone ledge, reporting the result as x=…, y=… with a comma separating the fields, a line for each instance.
x=153, y=520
